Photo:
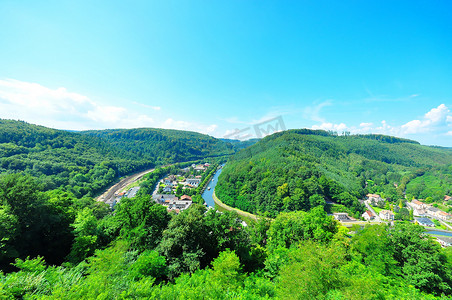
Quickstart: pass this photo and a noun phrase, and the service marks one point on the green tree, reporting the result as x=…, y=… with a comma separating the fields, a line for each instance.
x=374, y=247
x=149, y=263
x=420, y=259
x=141, y=221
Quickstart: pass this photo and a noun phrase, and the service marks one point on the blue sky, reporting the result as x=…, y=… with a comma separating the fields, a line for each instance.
x=217, y=66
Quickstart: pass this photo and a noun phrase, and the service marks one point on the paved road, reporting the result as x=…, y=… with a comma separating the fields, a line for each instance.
x=109, y=195
x=367, y=203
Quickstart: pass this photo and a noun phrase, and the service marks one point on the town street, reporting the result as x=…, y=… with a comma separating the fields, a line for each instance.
x=377, y=217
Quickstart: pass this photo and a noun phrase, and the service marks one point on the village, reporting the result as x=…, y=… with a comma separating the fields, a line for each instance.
x=175, y=191
x=427, y=215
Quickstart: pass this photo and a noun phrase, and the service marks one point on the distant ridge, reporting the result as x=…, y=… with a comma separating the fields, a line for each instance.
x=284, y=171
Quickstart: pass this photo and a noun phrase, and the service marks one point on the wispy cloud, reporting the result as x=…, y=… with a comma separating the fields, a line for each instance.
x=60, y=108
x=437, y=121
x=313, y=112
x=147, y=106
x=385, y=98
x=331, y=127
x=189, y=126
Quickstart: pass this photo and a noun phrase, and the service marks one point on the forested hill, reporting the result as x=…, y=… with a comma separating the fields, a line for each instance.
x=85, y=162
x=163, y=145
x=299, y=169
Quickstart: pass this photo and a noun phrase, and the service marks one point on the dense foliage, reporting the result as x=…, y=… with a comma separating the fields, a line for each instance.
x=300, y=169
x=56, y=242
x=201, y=254
x=163, y=145
x=84, y=163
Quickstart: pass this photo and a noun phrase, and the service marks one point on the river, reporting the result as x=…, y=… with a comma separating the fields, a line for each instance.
x=208, y=194
x=443, y=233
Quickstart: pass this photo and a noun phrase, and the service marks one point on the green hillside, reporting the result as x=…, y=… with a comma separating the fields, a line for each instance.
x=57, y=245
x=163, y=145
x=300, y=169
x=86, y=162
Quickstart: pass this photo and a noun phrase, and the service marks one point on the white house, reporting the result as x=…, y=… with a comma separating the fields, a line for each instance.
x=386, y=215
x=444, y=216
x=374, y=197
x=418, y=204
x=368, y=215
x=444, y=241
x=433, y=211
x=341, y=216
x=179, y=204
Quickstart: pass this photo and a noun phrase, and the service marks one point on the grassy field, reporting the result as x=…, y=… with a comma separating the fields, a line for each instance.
x=377, y=209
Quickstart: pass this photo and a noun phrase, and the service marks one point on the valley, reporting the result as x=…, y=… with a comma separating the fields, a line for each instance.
x=347, y=207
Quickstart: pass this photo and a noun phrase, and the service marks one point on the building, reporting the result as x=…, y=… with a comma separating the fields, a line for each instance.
x=447, y=198
x=193, y=181
x=444, y=241
x=162, y=198
x=185, y=197
x=425, y=222
x=368, y=215
x=444, y=216
x=177, y=205
x=418, y=204
x=433, y=211
x=167, y=189
x=386, y=215
x=200, y=168
x=375, y=198
x=132, y=192
x=341, y=216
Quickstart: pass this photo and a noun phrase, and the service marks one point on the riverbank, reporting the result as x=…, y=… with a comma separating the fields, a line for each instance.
x=109, y=194
x=245, y=216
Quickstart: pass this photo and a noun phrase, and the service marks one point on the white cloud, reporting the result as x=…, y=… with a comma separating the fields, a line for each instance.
x=415, y=126
x=59, y=108
x=437, y=114
x=449, y=133
x=432, y=119
x=330, y=126
x=366, y=124
x=189, y=126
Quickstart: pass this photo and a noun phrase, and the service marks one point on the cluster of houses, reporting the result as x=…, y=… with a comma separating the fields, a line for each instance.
x=171, y=182
x=130, y=193
x=173, y=203
x=385, y=215
x=421, y=209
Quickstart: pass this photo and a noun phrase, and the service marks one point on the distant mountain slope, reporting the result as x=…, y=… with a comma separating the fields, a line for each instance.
x=285, y=171
x=239, y=145
x=163, y=145
x=85, y=162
